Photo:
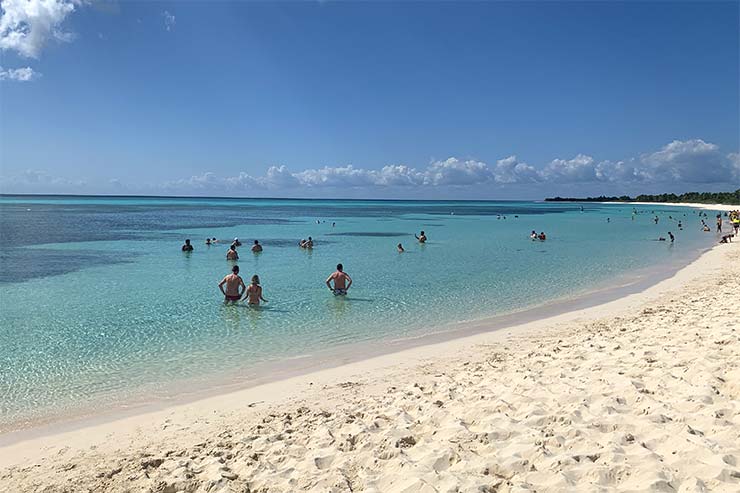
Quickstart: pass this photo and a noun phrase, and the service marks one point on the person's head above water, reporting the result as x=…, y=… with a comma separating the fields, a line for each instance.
x=255, y=279
x=422, y=232
x=340, y=267
x=187, y=242
x=256, y=242
x=235, y=269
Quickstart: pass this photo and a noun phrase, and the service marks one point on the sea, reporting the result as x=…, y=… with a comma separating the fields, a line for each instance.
x=100, y=308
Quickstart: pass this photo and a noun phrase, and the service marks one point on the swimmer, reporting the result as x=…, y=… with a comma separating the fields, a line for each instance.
x=256, y=248
x=231, y=253
x=208, y=241
x=670, y=235
x=706, y=229
x=309, y=243
x=400, y=249
x=302, y=243
x=422, y=237
x=187, y=247
x=342, y=281
x=235, y=287
x=533, y=235
x=236, y=242
x=253, y=294
x=542, y=236
x=608, y=219
x=719, y=223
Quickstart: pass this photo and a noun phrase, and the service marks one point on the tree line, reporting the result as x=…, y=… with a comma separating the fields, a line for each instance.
x=696, y=197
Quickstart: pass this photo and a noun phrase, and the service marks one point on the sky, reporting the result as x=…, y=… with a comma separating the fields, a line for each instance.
x=468, y=100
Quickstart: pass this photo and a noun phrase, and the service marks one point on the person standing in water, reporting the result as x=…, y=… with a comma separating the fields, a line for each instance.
x=231, y=253
x=670, y=235
x=422, y=237
x=719, y=223
x=235, y=287
x=253, y=293
x=187, y=247
x=256, y=248
x=400, y=249
x=342, y=281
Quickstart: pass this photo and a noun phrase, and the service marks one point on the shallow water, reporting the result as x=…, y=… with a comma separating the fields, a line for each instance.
x=98, y=303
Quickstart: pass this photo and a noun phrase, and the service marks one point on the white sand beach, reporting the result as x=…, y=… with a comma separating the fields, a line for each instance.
x=640, y=394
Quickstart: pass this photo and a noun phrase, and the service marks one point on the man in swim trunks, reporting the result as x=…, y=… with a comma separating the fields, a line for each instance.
x=253, y=294
x=400, y=249
x=342, y=281
x=231, y=253
x=256, y=248
x=187, y=247
x=235, y=287
x=422, y=237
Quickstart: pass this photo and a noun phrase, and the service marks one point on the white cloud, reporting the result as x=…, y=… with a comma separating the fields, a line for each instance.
x=23, y=74
x=27, y=25
x=690, y=163
x=511, y=170
x=580, y=169
x=452, y=171
x=169, y=20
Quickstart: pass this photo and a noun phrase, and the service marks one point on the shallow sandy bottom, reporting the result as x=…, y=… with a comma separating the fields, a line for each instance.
x=637, y=395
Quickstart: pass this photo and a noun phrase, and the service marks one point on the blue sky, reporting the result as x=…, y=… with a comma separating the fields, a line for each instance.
x=414, y=99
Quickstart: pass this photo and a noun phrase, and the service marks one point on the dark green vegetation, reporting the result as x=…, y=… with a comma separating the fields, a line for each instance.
x=695, y=197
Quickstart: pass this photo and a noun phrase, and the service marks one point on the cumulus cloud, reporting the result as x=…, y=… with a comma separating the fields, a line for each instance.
x=691, y=163
x=27, y=25
x=511, y=170
x=23, y=74
x=169, y=20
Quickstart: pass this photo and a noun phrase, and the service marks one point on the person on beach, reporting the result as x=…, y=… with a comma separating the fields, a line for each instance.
x=726, y=239
x=422, y=237
x=342, y=281
x=187, y=247
x=231, y=253
x=256, y=248
x=235, y=287
x=670, y=235
x=400, y=249
x=253, y=293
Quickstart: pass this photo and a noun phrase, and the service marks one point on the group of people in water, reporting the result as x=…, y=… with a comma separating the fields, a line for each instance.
x=534, y=236
x=234, y=289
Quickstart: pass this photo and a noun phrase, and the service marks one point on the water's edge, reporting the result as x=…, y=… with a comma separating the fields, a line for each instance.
x=188, y=391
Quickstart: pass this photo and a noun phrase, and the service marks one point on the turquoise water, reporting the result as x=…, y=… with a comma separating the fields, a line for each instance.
x=98, y=304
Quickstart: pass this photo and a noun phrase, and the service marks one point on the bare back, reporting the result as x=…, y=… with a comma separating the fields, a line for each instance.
x=254, y=293
x=233, y=281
